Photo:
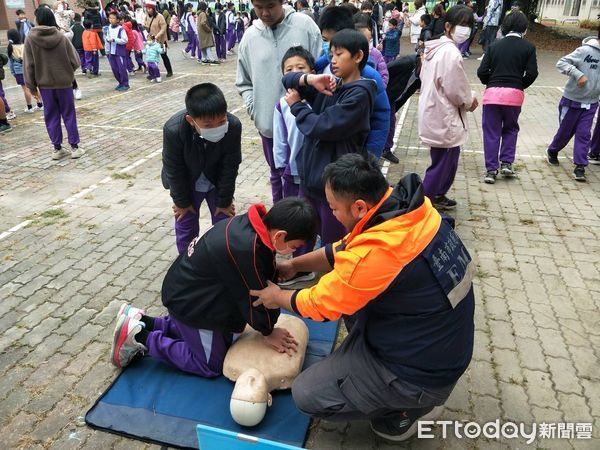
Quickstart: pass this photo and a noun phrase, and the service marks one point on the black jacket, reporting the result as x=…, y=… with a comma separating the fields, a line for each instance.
x=221, y=24
x=403, y=81
x=509, y=62
x=208, y=286
x=77, y=39
x=93, y=15
x=186, y=156
x=332, y=126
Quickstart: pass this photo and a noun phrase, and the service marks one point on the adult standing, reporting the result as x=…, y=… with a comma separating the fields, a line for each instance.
x=406, y=278
x=91, y=13
x=155, y=25
x=206, y=41
x=49, y=64
x=259, y=67
x=415, y=21
x=491, y=22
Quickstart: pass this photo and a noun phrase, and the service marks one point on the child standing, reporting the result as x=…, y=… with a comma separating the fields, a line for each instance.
x=362, y=24
x=219, y=29
x=128, y=27
x=391, y=42
x=15, y=57
x=8, y=114
x=50, y=61
x=337, y=121
x=91, y=45
x=239, y=27
x=174, y=27
x=77, y=39
x=138, y=46
x=153, y=50
x=116, y=41
x=210, y=304
x=445, y=97
x=578, y=104
x=508, y=68
x=191, y=32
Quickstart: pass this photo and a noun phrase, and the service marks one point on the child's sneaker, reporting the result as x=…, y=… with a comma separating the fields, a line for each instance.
x=59, y=154
x=579, y=173
x=441, y=203
x=388, y=155
x=299, y=278
x=77, y=93
x=158, y=80
x=5, y=128
x=552, y=158
x=77, y=152
x=29, y=110
x=130, y=311
x=10, y=115
x=506, y=170
x=153, y=80
x=124, y=346
x=594, y=159
x=490, y=177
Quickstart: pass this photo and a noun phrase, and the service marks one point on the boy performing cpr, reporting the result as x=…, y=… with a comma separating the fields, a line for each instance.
x=207, y=291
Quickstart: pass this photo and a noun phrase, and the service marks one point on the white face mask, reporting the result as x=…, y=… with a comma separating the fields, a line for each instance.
x=461, y=34
x=213, y=134
x=286, y=251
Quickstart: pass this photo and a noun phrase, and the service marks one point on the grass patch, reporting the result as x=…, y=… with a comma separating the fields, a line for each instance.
x=103, y=206
x=48, y=217
x=122, y=176
x=57, y=213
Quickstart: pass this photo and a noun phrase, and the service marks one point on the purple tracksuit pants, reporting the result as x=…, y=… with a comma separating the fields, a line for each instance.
x=60, y=103
x=92, y=62
x=500, y=131
x=439, y=176
x=153, y=70
x=221, y=46
x=200, y=352
x=231, y=36
x=118, y=65
x=188, y=227
x=3, y=97
x=595, y=142
x=330, y=229
x=275, y=173
x=81, y=54
x=192, y=42
x=574, y=121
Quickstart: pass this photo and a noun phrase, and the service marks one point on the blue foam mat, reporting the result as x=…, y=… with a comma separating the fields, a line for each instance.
x=156, y=403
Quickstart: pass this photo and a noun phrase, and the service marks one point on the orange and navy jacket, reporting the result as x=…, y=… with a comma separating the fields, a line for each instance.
x=406, y=276
x=91, y=41
x=208, y=286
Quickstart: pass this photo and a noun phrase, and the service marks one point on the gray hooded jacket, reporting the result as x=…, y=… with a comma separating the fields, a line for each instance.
x=584, y=60
x=259, y=63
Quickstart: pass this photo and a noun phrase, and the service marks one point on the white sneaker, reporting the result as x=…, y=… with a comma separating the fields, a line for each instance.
x=38, y=108
x=185, y=55
x=10, y=115
x=124, y=346
x=77, y=152
x=29, y=111
x=77, y=93
x=59, y=154
x=130, y=311
x=153, y=80
x=481, y=57
x=158, y=80
x=300, y=277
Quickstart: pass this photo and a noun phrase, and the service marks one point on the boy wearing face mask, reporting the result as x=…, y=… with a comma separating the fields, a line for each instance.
x=201, y=156
x=207, y=291
x=445, y=98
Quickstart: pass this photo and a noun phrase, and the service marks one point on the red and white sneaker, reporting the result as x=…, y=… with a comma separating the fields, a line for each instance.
x=124, y=346
x=130, y=311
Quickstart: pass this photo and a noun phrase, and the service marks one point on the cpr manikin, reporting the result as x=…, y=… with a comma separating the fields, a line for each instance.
x=257, y=370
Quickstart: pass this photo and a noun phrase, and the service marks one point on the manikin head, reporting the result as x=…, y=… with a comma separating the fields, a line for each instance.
x=250, y=398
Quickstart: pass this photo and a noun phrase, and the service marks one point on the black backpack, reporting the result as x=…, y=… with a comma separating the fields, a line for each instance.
x=3, y=62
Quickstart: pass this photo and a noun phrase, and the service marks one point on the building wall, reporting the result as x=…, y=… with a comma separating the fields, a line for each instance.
x=569, y=9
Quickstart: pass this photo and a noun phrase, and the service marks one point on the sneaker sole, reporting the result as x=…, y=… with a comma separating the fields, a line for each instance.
x=489, y=181
x=6, y=131
x=594, y=162
x=298, y=280
x=581, y=180
x=124, y=311
x=431, y=415
x=119, y=337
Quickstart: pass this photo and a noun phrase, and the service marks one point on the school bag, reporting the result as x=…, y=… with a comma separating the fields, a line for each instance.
x=3, y=62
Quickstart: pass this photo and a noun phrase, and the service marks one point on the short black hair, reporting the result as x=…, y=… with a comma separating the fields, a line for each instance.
x=515, y=21
x=205, y=100
x=366, y=5
x=87, y=24
x=202, y=6
x=116, y=14
x=14, y=36
x=354, y=177
x=294, y=215
x=77, y=17
x=460, y=15
x=426, y=19
x=353, y=41
x=44, y=16
x=393, y=22
x=361, y=20
x=336, y=18
x=300, y=52
x=19, y=12
x=350, y=7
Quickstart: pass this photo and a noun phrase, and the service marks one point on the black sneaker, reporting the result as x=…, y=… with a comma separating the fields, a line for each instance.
x=579, y=173
x=169, y=74
x=388, y=155
x=490, y=176
x=442, y=202
x=402, y=425
x=594, y=159
x=552, y=158
x=506, y=170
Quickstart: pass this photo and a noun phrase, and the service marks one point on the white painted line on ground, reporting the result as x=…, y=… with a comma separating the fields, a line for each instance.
x=561, y=90
x=14, y=229
x=399, y=125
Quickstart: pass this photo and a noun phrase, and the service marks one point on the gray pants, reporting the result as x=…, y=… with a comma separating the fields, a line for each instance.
x=489, y=36
x=352, y=384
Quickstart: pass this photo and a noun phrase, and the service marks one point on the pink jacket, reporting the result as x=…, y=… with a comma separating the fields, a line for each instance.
x=445, y=95
x=138, y=41
x=175, y=24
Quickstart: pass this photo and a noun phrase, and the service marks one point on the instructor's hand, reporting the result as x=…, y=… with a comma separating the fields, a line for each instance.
x=285, y=270
x=180, y=213
x=267, y=296
x=282, y=341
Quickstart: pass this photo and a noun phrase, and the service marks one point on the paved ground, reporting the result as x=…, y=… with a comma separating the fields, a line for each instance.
x=79, y=237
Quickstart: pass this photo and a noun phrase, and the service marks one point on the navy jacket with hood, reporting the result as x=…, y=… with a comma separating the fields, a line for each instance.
x=332, y=126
